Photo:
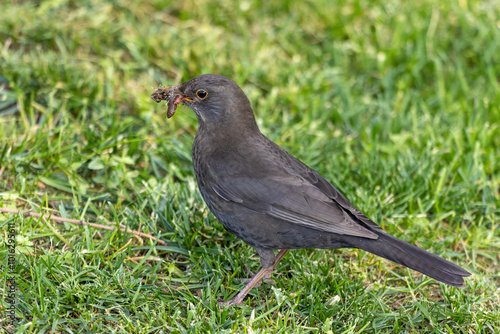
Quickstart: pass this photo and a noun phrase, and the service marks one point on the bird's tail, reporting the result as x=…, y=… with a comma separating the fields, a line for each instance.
x=411, y=256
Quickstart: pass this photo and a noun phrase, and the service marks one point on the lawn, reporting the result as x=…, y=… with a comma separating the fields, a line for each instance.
x=396, y=103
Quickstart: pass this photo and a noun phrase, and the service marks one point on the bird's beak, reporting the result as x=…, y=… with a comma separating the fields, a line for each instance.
x=175, y=89
x=179, y=92
x=173, y=95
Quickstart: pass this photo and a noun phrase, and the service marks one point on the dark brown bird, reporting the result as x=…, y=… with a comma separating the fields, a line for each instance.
x=270, y=199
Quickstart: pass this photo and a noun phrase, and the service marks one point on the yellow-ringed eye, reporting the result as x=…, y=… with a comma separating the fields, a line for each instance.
x=201, y=93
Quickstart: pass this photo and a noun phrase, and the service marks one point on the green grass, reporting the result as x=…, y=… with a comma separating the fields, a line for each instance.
x=396, y=103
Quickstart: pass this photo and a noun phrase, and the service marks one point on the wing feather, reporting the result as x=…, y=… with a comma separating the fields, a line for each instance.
x=291, y=199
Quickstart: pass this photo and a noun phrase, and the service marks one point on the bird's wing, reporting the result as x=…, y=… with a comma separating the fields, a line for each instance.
x=329, y=190
x=290, y=198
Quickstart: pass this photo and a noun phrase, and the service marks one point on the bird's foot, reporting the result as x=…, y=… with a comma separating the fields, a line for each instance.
x=263, y=274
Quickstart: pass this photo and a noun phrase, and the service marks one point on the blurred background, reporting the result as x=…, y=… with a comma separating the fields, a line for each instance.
x=397, y=103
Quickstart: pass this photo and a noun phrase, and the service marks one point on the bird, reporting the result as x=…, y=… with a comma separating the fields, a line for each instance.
x=270, y=199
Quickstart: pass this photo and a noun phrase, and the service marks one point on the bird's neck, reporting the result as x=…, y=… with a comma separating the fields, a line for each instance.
x=225, y=135
x=231, y=126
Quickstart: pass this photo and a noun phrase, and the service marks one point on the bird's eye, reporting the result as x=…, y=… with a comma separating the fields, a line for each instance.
x=201, y=93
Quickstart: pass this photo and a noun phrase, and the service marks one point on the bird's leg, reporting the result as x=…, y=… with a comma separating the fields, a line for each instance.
x=268, y=266
x=266, y=279
x=267, y=259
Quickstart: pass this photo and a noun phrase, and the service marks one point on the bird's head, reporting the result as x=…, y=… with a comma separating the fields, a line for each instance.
x=217, y=101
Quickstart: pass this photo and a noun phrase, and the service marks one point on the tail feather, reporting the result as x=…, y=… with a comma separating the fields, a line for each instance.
x=411, y=256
